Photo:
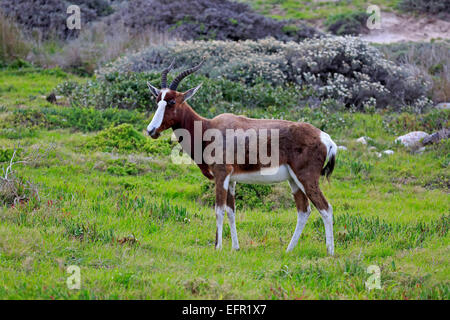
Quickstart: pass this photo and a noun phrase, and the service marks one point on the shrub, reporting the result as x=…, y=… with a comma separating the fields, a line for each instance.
x=130, y=91
x=46, y=19
x=441, y=8
x=205, y=19
x=342, y=68
x=353, y=23
x=125, y=139
x=431, y=59
x=12, y=42
x=247, y=195
x=14, y=188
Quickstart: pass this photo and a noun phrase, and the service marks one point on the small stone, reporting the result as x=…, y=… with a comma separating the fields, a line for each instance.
x=437, y=136
x=51, y=98
x=443, y=106
x=412, y=139
x=378, y=154
x=361, y=140
x=420, y=150
x=372, y=148
x=388, y=152
x=342, y=148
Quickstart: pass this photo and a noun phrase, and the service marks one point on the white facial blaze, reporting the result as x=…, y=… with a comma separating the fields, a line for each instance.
x=159, y=114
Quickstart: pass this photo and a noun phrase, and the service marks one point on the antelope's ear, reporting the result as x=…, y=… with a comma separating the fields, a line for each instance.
x=153, y=90
x=188, y=94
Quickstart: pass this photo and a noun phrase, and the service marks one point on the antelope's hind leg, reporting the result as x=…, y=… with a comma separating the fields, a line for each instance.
x=303, y=212
x=309, y=182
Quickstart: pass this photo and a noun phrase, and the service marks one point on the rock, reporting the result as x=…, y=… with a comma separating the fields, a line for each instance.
x=342, y=148
x=436, y=137
x=372, y=148
x=388, y=152
x=51, y=98
x=443, y=106
x=412, y=139
x=420, y=150
x=378, y=154
x=361, y=140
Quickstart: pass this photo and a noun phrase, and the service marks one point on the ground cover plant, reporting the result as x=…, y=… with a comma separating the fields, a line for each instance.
x=139, y=226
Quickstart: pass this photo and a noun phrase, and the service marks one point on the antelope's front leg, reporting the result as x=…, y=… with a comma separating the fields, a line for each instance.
x=231, y=212
x=221, y=203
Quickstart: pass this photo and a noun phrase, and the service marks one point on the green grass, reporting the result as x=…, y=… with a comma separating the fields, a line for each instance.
x=144, y=233
x=314, y=10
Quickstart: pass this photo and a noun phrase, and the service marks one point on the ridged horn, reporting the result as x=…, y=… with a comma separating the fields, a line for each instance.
x=164, y=75
x=184, y=74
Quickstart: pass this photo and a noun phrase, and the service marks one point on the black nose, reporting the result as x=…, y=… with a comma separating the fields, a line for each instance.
x=151, y=132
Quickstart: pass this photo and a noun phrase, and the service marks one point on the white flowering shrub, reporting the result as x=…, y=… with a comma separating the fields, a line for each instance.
x=346, y=69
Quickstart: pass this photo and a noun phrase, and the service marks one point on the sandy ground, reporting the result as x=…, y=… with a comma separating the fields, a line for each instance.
x=396, y=28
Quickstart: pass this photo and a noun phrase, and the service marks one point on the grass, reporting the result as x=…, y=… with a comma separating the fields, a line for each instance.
x=145, y=234
x=315, y=10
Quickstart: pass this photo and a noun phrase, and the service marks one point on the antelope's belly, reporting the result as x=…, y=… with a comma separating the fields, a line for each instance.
x=266, y=175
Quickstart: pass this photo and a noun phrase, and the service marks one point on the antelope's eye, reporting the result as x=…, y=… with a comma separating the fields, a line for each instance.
x=171, y=102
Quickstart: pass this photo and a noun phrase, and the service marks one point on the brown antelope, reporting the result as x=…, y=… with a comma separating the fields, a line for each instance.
x=301, y=152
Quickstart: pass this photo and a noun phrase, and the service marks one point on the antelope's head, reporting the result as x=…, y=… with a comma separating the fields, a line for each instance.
x=170, y=101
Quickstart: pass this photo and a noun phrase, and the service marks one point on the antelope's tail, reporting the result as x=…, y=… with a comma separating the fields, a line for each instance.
x=331, y=155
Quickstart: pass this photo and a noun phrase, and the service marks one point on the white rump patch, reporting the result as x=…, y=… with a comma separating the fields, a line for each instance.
x=329, y=144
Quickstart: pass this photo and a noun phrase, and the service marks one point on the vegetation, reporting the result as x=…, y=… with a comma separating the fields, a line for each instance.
x=440, y=8
x=345, y=69
x=81, y=184
x=137, y=226
x=313, y=10
x=353, y=23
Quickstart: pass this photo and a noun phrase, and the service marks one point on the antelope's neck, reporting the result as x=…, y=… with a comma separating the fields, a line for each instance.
x=189, y=117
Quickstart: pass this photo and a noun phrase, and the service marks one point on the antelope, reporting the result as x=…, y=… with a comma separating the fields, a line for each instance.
x=303, y=151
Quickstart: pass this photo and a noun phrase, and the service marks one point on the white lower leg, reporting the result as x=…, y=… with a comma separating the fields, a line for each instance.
x=220, y=212
x=302, y=217
x=232, y=220
x=327, y=217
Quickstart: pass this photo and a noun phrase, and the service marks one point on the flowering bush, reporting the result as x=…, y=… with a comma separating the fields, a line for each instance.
x=346, y=69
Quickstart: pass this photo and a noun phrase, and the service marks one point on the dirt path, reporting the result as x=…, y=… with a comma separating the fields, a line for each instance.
x=396, y=28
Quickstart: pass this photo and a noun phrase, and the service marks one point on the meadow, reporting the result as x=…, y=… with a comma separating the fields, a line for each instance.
x=141, y=227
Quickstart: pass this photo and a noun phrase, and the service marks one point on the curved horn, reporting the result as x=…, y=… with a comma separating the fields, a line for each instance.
x=164, y=75
x=184, y=74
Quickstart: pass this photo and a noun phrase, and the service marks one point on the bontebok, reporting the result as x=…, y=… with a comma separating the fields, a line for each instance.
x=230, y=149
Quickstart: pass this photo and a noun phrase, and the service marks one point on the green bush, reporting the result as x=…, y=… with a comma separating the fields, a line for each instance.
x=247, y=195
x=122, y=168
x=125, y=139
x=441, y=8
x=353, y=23
x=130, y=91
